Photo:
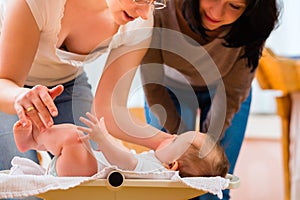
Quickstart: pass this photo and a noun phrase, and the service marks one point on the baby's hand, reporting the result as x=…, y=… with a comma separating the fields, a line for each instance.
x=96, y=130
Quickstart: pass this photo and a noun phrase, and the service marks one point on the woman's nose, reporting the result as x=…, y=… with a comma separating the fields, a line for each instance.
x=217, y=10
x=143, y=11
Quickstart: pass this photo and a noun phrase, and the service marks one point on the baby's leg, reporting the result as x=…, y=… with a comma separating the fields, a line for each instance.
x=24, y=136
x=76, y=160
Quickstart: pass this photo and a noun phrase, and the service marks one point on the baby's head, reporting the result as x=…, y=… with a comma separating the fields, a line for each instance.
x=197, y=154
x=196, y=162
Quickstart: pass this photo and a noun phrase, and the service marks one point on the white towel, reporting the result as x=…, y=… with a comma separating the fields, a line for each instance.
x=20, y=183
x=23, y=166
x=213, y=185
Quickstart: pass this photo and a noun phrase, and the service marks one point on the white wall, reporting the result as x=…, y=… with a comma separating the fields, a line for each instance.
x=284, y=41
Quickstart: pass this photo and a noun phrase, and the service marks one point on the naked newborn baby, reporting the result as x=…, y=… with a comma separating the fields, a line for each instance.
x=192, y=153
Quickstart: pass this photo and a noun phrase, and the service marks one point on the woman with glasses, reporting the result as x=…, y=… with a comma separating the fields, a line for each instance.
x=198, y=70
x=44, y=45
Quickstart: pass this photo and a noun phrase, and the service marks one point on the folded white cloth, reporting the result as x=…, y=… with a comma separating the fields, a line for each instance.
x=213, y=185
x=22, y=166
x=27, y=178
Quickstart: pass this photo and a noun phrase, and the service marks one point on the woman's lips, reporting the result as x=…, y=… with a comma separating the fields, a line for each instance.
x=211, y=20
x=128, y=17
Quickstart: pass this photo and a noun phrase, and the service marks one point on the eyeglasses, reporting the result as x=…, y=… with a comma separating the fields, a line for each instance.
x=158, y=4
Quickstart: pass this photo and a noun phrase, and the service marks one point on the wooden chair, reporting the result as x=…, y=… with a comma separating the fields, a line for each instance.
x=280, y=73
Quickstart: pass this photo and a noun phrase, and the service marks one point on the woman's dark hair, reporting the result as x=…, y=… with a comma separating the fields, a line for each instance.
x=250, y=31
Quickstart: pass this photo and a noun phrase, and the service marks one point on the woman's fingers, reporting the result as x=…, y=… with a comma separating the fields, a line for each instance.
x=42, y=102
x=29, y=111
x=41, y=111
x=45, y=100
x=32, y=113
x=53, y=92
x=56, y=91
x=46, y=104
x=37, y=104
x=21, y=114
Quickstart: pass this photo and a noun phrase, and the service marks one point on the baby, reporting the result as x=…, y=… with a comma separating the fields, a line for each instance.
x=192, y=153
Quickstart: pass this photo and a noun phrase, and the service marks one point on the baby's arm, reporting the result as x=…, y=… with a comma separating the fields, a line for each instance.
x=114, y=151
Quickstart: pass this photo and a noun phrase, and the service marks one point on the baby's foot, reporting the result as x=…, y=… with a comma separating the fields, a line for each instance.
x=23, y=136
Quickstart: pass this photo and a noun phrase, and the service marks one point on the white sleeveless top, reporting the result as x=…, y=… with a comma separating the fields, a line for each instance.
x=53, y=66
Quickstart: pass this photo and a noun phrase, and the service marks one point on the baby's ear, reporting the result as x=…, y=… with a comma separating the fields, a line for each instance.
x=172, y=166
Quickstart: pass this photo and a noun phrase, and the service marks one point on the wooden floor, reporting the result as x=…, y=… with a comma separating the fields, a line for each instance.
x=259, y=168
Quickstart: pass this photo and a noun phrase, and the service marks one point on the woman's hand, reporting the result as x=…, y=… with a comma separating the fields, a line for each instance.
x=37, y=104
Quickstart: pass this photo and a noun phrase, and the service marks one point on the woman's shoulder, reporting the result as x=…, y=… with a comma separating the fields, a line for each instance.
x=45, y=12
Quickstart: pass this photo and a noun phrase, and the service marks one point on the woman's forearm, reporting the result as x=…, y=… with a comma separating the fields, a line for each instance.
x=111, y=100
x=8, y=93
x=128, y=127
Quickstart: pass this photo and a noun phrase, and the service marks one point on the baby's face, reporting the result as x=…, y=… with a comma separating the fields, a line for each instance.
x=173, y=148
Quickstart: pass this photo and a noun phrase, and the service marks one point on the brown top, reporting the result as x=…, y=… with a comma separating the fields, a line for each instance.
x=190, y=60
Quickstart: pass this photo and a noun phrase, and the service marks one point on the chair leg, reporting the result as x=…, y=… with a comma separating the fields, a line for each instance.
x=284, y=110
